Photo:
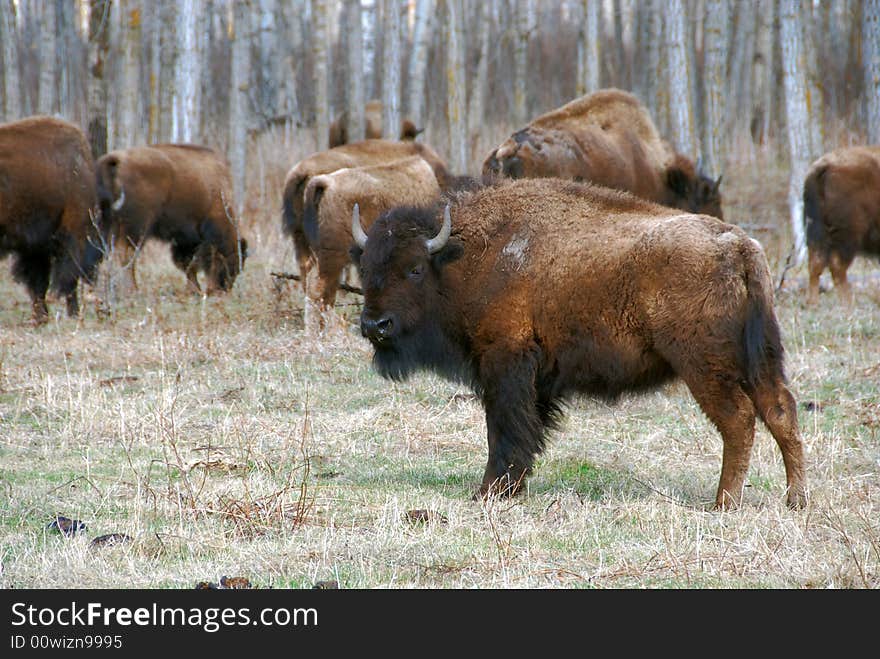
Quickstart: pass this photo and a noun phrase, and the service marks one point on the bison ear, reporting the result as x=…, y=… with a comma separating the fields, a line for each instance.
x=677, y=180
x=452, y=251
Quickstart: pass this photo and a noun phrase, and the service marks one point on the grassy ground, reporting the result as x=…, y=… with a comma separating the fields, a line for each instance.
x=224, y=440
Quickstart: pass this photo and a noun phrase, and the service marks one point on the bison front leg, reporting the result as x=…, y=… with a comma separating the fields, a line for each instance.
x=32, y=270
x=514, y=430
x=838, y=266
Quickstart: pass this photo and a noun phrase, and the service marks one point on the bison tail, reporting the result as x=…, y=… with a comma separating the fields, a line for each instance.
x=291, y=222
x=762, y=354
x=814, y=193
x=311, y=201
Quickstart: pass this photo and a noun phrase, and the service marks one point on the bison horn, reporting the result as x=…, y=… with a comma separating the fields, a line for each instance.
x=357, y=231
x=438, y=242
x=117, y=205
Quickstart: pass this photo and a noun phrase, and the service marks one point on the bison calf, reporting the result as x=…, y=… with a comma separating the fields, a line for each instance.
x=48, y=209
x=180, y=194
x=537, y=290
x=330, y=200
x=842, y=214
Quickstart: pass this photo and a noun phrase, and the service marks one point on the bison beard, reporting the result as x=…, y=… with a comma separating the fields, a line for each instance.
x=617, y=295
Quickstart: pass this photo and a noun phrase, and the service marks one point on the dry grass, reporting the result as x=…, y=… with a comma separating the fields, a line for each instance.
x=224, y=440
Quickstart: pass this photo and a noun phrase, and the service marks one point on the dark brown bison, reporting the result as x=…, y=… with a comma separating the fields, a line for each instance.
x=606, y=138
x=372, y=126
x=536, y=290
x=842, y=214
x=48, y=209
x=331, y=198
x=180, y=194
x=356, y=154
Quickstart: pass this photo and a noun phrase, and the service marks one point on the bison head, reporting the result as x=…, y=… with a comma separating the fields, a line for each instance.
x=401, y=263
x=225, y=268
x=693, y=191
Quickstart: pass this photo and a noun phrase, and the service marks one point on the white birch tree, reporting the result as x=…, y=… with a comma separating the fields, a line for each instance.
x=681, y=117
x=127, y=123
x=521, y=63
x=187, y=105
x=238, y=99
x=47, y=89
x=714, y=85
x=871, y=58
x=168, y=62
x=797, y=116
x=99, y=50
x=456, y=87
x=355, y=89
x=320, y=42
x=12, y=107
x=391, y=69
x=589, y=52
x=419, y=60
x=477, y=100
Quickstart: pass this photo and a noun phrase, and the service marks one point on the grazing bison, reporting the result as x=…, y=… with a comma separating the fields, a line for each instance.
x=372, y=126
x=330, y=200
x=177, y=193
x=606, y=138
x=356, y=154
x=48, y=209
x=842, y=214
x=536, y=290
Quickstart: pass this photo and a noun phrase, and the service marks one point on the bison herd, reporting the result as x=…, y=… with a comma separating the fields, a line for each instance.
x=590, y=258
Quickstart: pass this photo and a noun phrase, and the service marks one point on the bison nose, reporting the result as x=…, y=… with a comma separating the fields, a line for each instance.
x=377, y=329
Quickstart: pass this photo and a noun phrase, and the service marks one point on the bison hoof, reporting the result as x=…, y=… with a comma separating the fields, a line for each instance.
x=502, y=487
x=796, y=499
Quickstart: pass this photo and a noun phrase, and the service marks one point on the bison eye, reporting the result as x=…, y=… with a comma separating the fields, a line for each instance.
x=416, y=271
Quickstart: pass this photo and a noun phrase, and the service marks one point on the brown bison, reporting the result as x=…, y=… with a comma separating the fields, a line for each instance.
x=330, y=200
x=180, y=194
x=842, y=214
x=372, y=126
x=606, y=138
x=356, y=154
x=534, y=291
x=48, y=209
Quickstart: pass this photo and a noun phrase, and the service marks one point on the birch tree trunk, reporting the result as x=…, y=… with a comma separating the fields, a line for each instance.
x=762, y=63
x=520, y=63
x=355, y=96
x=128, y=125
x=289, y=12
x=477, y=100
x=99, y=49
x=815, y=101
x=456, y=90
x=268, y=96
x=47, y=90
x=391, y=69
x=153, y=22
x=681, y=118
x=320, y=42
x=714, y=84
x=642, y=74
x=419, y=61
x=798, y=119
x=168, y=60
x=187, y=103
x=871, y=58
x=70, y=79
x=368, y=15
x=9, y=43
x=589, y=53
x=238, y=100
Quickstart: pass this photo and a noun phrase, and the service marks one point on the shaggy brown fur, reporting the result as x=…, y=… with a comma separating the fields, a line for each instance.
x=356, y=154
x=48, y=209
x=330, y=199
x=842, y=214
x=606, y=138
x=177, y=193
x=372, y=128
x=549, y=288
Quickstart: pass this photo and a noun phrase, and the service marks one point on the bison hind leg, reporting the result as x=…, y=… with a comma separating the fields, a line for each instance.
x=732, y=412
x=778, y=410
